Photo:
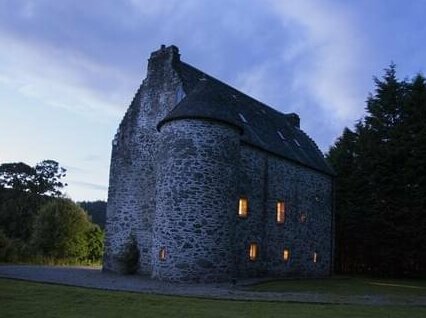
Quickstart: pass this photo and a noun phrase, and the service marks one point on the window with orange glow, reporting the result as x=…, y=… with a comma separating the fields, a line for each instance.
x=162, y=254
x=286, y=255
x=280, y=212
x=253, y=251
x=243, y=208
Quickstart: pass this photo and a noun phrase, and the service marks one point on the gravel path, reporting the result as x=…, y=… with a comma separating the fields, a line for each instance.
x=95, y=278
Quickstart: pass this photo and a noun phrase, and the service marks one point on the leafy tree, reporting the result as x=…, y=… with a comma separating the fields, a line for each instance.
x=44, y=178
x=23, y=189
x=17, y=212
x=95, y=243
x=18, y=176
x=48, y=178
x=60, y=230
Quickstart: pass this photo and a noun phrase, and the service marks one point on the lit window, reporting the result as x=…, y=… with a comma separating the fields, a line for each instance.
x=315, y=258
x=280, y=212
x=286, y=255
x=253, y=251
x=243, y=208
x=162, y=254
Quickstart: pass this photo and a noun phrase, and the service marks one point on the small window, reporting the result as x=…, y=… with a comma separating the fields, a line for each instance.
x=253, y=251
x=315, y=257
x=281, y=135
x=296, y=142
x=243, y=208
x=286, y=255
x=162, y=254
x=280, y=212
x=302, y=217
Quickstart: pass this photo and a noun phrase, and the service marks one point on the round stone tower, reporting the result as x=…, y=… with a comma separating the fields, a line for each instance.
x=196, y=193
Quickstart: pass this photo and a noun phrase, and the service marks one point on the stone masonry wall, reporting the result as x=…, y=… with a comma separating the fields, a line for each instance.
x=265, y=179
x=131, y=195
x=177, y=191
x=197, y=196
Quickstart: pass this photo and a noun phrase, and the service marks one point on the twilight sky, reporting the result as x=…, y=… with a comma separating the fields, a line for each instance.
x=69, y=69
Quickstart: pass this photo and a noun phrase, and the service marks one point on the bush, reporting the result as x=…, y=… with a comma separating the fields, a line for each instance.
x=95, y=242
x=60, y=230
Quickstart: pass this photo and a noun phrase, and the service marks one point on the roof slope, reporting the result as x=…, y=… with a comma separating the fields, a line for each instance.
x=262, y=126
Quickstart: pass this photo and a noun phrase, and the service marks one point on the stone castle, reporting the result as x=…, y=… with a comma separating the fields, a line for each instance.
x=213, y=185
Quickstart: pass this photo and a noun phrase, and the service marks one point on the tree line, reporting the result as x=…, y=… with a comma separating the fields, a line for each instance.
x=37, y=224
x=381, y=182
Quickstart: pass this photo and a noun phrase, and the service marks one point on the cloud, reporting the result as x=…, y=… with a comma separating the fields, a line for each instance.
x=62, y=78
x=327, y=54
x=89, y=185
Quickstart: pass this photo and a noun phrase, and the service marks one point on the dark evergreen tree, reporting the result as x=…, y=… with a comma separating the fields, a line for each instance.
x=96, y=210
x=380, y=208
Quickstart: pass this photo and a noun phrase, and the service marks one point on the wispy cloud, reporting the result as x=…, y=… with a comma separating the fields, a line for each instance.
x=89, y=185
x=62, y=78
x=327, y=54
x=317, y=65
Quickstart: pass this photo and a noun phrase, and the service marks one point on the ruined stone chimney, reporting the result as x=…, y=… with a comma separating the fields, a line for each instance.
x=165, y=57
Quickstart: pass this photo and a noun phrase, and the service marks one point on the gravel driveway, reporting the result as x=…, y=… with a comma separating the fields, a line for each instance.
x=94, y=278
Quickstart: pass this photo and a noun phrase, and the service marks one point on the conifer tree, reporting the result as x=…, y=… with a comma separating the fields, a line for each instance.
x=380, y=188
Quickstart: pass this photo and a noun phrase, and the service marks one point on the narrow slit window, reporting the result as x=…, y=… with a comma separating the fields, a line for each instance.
x=286, y=255
x=162, y=254
x=280, y=212
x=243, y=208
x=253, y=251
x=315, y=257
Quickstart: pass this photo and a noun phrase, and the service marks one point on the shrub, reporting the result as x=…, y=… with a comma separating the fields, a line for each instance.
x=60, y=230
x=95, y=243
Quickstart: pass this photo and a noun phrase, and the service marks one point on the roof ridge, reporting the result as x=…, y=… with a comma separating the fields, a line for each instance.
x=235, y=89
x=208, y=98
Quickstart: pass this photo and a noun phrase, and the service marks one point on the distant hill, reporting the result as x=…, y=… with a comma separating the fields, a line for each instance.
x=96, y=210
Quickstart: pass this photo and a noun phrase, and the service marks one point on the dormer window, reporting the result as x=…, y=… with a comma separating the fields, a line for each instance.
x=280, y=213
x=243, y=119
x=280, y=134
x=296, y=142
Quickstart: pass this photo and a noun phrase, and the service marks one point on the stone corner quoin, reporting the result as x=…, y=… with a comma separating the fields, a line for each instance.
x=212, y=185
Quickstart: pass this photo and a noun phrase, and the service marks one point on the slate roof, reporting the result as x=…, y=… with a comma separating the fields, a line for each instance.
x=261, y=125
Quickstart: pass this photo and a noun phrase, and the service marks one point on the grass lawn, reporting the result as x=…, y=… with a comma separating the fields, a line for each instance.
x=25, y=299
x=341, y=285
